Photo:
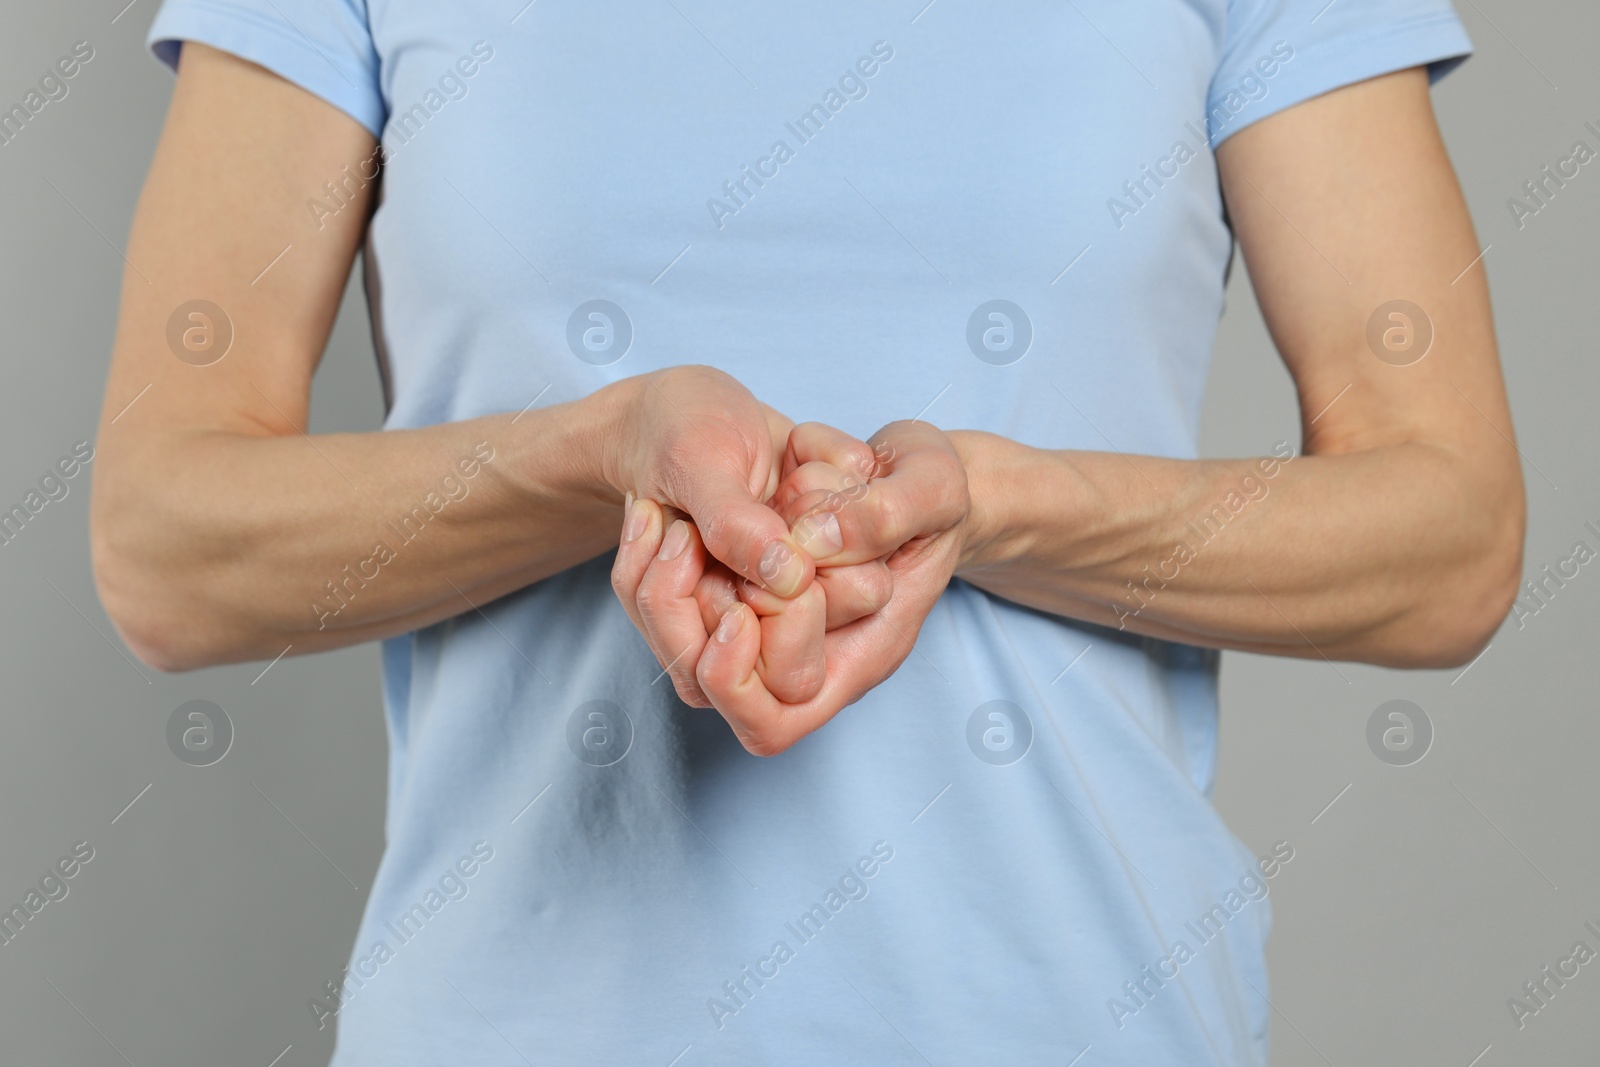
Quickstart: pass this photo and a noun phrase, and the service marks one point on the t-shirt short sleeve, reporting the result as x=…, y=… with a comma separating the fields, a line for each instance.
x=1278, y=53
x=323, y=46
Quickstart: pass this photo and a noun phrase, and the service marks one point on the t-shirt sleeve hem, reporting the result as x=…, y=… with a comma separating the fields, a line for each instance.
x=1437, y=41
x=277, y=47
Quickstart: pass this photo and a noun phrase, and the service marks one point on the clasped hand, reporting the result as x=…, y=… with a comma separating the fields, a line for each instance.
x=779, y=572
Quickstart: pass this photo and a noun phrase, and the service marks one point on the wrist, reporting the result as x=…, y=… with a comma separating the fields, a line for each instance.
x=989, y=530
x=574, y=452
x=1030, y=507
x=611, y=417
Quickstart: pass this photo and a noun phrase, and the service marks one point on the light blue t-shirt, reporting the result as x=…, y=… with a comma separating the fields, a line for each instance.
x=1002, y=216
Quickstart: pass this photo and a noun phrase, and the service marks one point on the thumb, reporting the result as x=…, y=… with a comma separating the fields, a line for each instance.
x=751, y=538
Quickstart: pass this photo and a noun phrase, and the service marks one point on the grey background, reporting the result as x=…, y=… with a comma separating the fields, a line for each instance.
x=218, y=903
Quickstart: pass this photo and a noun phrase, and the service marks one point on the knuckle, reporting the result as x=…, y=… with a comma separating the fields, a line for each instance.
x=854, y=489
x=796, y=683
x=716, y=531
x=886, y=519
x=709, y=678
x=954, y=497
x=765, y=743
x=651, y=599
x=693, y=375
x=619, y=581
x=722, y=594
x=689, y=690
x=875, y=587
x=832, y=501
x=860, y=458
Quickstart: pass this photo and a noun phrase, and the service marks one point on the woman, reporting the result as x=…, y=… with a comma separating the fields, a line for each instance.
x=611, y=251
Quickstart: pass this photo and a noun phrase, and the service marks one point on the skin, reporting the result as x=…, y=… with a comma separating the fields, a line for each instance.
x=215, y=521
x=916, y=501
x=1396, y=538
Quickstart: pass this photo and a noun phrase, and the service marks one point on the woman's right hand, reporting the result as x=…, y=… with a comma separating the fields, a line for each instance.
x=695, y=440
x=703, y=457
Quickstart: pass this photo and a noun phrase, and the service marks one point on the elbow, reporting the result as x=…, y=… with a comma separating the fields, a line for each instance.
x=1446, y=643
x=166, y=656
x=167, y=578
x=147, y=612
x=1457, y=622
x=141, y=625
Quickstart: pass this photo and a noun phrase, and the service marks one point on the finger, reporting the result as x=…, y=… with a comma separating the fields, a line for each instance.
x=642, y=527
x=810, y=499
x=790, y=664
x=859, y=655
x=779, y=426
x=807, y=485
x=728, y=667
x=921, y=489
x=854, y=591
x=744, y=533
x=669, y=612
x=848, y=593
x=728, y=673
x=818, y=442
x=834, y=467
x=715, y=593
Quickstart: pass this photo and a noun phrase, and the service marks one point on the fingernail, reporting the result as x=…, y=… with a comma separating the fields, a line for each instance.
x=638, y=519
x=819, y=534
x=781, y=569
x=677, y=538
x=728, y=628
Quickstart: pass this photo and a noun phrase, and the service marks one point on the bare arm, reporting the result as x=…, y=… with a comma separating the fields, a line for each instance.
x=218, y=526
x=1396, y=538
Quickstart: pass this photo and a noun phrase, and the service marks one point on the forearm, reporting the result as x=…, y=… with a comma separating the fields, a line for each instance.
x=216, y=546
x=1392, y=555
